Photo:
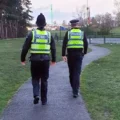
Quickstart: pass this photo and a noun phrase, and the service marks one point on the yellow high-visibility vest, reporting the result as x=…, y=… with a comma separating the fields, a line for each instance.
x=75, y=39
x=40, y=42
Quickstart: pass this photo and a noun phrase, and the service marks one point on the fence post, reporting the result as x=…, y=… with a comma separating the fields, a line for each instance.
x=60, y=34
x=104, y=40
x=89, y=40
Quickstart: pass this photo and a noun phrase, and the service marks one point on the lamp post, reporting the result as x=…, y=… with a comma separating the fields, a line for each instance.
x=87, y=12
x=87, y=17
x=51, y=14
x=87, y=3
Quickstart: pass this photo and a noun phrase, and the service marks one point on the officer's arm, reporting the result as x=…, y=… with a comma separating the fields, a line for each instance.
x=85, y=44
x=26, y=47
x=53, y=49
x=64, y=44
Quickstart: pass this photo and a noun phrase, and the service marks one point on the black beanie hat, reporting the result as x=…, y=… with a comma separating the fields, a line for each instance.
x=41, y=21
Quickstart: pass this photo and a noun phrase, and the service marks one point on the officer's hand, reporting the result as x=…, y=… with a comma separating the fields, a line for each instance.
x=23, y=63
x=53, y=63
x=64, y=58
x=83, y=54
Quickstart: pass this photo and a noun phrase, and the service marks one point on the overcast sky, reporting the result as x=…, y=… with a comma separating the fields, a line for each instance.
x=64, y=9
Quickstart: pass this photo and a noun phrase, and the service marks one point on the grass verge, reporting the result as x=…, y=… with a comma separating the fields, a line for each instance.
x=100, y=86
x=12, y=74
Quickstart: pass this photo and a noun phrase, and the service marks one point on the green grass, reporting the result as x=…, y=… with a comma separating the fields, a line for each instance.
x=100, y=86
x=113, y=33
x=115, y=30
x=60, y=34
x=12, y=74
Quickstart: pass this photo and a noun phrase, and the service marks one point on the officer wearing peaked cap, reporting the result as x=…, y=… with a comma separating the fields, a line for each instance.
x=74, y=21
x=75, y=42
x=41, y=44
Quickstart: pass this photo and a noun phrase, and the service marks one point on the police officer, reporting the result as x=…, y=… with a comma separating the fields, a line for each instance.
x=41, y=43
x=76, y=43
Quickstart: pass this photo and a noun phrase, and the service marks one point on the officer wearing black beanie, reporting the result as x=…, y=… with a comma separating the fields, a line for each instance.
x=41, y=21
x=41, y=44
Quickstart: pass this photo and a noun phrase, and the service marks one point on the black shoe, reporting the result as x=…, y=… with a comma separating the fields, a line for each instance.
x=36, y=100
x=75, y=95
x=44, y=103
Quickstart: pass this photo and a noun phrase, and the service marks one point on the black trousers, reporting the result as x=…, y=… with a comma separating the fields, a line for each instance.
x=40, y=72
x=74, y=64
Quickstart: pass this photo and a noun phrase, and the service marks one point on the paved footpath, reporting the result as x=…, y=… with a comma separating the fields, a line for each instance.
x=61, y=105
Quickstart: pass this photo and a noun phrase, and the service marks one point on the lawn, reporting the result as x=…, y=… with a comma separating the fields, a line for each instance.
x=113, y=33
x=100, y=86
x=12, y=74
x=115, y=30
x=60, y=34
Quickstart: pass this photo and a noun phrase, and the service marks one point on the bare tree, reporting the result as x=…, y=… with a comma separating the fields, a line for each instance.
x=117, y=5
x=98, y=18
x=81, y=14
x=118, y=19
x=64, y=23
x=117, y=11
x=105, y=22
x=94, y=21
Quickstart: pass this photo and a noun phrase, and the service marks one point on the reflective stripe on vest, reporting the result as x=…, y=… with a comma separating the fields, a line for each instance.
x=40, y=42
x=75, y=39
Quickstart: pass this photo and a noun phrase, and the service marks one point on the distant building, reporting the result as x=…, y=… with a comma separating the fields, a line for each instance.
x=51, y=27
x=32, y=27
x=63, y=28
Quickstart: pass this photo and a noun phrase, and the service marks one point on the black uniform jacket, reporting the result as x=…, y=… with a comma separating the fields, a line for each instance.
x=37, y=57
x=71, y=51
